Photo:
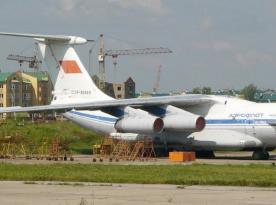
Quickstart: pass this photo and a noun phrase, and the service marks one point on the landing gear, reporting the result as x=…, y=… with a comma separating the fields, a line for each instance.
x=260, y=155
x=205, y=154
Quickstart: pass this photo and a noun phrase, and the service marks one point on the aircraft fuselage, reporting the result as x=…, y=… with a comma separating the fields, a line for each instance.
x=231, y=124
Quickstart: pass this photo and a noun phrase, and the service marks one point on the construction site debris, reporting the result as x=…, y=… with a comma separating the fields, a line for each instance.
x=10, y=148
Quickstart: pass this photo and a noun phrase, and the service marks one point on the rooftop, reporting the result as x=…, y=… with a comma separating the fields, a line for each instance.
x=4, y=76
x=265, y=96
x=40, y=75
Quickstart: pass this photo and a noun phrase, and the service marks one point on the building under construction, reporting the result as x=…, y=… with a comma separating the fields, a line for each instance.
x=117, y=90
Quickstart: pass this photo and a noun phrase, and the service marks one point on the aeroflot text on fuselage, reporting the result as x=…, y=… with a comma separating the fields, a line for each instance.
x=246, y=115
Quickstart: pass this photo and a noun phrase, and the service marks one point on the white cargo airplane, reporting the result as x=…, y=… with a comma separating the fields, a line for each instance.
x=203, y=123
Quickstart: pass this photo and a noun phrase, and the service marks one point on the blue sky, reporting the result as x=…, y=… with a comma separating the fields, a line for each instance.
x=217, y=43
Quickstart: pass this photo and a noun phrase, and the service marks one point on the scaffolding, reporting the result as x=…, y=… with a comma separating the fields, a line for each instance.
x=124, y=149
x=121, y=150
x=55, y=149
x=52, y=150
x=107, y=147
x=143, y=150
x=42, y=150
x=9, y=149
x=14, y=146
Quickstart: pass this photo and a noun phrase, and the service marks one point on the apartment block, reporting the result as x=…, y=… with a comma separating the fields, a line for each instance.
x=25, y=88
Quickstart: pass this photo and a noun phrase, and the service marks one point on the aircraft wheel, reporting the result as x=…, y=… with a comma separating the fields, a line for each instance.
x=260, y=155
x=266, y=155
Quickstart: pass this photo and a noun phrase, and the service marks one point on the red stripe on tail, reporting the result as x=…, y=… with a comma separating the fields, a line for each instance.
x=69, y=66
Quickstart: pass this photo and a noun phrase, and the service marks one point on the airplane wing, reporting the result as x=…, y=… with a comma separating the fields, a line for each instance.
x=184, y=100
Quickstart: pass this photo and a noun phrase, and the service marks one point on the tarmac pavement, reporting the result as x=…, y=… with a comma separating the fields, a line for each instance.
x=57, y=193
x=242, y=158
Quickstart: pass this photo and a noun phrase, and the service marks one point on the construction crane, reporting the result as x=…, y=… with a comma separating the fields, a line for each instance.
x=33, y=61
x=157, y=82
x=115, y=53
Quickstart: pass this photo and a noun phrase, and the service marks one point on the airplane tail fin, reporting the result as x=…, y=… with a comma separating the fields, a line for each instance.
x=72, y=83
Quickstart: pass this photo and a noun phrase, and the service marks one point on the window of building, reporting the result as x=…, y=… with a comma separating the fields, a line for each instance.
x=1, y=104
x=119, y=88
x=27, y=96
x=119, y=96
x=1, y=85
x=1, y=95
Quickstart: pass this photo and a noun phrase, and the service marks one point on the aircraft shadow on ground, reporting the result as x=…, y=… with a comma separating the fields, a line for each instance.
x=249, y=157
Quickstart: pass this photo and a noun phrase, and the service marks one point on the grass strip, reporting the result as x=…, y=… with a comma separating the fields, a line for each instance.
x=34, y=135
x=197, y=174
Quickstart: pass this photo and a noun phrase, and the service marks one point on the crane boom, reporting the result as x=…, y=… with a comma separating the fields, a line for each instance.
x=33, y=61
x=115, y=53
x=21, y=59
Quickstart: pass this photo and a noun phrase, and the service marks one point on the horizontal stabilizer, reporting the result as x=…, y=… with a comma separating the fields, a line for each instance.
x=58, y=38
x=50, y=37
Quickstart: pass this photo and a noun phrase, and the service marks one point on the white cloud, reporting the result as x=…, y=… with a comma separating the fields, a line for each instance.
x=222, y=46
x=103, y=8
x=67, y=5
x=207, y=23
x=251, y=58
x=152, y=6
x=214, y=45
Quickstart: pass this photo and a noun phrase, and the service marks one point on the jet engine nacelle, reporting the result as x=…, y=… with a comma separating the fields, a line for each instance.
x=182, y=123
x=179, y=120
x=140, y=124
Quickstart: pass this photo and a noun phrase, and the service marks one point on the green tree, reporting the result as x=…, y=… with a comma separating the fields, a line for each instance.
x=249, y=92
x=197, y=90
x=206, y=90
